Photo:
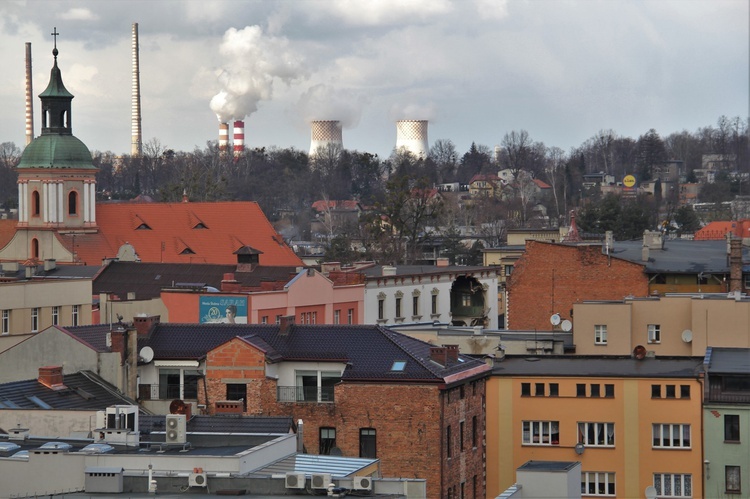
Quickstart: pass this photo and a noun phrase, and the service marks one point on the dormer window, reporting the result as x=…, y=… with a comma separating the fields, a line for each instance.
x=200, y=225
x=187, y=251
x=143, y=226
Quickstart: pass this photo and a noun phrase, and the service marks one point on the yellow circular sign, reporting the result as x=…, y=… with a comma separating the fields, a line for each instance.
x=628, y=181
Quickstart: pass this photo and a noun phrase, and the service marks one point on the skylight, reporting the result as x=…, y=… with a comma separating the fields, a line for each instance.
x=398, y=365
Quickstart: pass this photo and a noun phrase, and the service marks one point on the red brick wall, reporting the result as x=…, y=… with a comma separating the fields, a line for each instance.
x=549, y=278
x=234, y=360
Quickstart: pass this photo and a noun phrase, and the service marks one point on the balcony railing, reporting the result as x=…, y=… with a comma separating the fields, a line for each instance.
x=304, y=394
x=168, y=391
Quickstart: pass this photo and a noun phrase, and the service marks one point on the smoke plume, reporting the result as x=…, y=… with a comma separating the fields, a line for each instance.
x=324, y=102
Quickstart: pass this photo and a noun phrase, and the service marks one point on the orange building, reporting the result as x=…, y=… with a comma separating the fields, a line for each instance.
x=632, y=423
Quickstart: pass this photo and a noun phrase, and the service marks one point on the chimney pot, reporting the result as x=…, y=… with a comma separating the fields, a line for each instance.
x=439, y=355
x=51, y=376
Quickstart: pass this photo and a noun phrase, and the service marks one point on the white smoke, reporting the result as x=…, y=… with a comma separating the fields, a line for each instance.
x=252, y=62
x=325, y=102
x=414, y=112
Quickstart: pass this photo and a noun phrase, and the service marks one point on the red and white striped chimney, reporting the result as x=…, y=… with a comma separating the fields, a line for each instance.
x=239, y=138
x=136, y=138
x=223, y=138
x=29, y=98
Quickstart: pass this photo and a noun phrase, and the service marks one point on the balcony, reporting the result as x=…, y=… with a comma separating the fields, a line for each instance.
x=168, y=391
x=305, y=394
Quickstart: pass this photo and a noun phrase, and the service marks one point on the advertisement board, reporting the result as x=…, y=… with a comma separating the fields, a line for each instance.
x=226, y=309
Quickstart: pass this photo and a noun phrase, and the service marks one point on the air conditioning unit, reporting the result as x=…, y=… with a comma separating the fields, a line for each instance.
x=176, y=429
x=295, y=481
x=362, y=483
x=320, y=480
x=198, y=480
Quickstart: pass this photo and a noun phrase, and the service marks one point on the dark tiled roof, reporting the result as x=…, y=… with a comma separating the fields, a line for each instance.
x=222, y=424
x=377, y=271
x=94, y=335
x=85, y=390
x=578, y=365
x=369, y=350
x=146, y=280
x=729, y=361
x=679, y=256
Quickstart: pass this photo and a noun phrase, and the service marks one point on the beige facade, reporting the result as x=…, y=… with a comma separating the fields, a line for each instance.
x=30, y=306
x=674, y=325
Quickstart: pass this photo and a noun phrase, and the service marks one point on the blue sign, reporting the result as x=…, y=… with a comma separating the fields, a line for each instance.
x=226, y=309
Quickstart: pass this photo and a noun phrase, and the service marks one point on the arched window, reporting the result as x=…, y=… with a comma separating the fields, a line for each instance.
x=36, y=204
x=35, y=248
x=73, y=203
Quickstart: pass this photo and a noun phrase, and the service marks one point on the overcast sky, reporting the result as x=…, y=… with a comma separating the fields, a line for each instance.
x=477, y=69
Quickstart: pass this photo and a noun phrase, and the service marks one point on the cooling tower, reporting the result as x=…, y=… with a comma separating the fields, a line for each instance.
x=29, y=98
x=411, y=135
x=223, y=138
x=239, y=138
x=324, y=134
x=136, y=138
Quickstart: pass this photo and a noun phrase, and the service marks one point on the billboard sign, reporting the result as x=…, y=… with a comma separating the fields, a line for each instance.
x=226, y=309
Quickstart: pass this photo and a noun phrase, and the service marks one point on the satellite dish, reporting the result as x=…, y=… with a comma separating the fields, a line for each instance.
x=335, y=451
x=566, y=325
x=687, y=336
x=639, y=352
x=580, y=448
x=177, y=406
x=650, y=492
x=555, y=319
x=146, y=354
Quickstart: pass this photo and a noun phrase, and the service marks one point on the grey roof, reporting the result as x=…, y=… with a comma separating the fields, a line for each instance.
x=313, y=463
x=222, y=424
x=377, y=270
x=679, y=256
x=59, y=272
x=94, y=335
x=548, y=465
x=728, y=360
x=600, y=366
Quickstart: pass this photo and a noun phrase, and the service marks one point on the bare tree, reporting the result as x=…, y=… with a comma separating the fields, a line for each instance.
x=555, y=174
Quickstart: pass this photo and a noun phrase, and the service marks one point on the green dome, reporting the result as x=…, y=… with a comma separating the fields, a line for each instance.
x=56, y=151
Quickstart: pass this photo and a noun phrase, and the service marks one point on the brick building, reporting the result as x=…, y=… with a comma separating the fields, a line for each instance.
x=361, y=391
x=549, y=278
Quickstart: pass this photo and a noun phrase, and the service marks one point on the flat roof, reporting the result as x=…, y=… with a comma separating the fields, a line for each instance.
x=599, y=366
x=729, y=360
x=548, y=465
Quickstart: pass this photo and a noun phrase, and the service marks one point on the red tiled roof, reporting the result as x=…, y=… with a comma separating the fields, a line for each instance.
x=719, y=229
x=182, y=233
x=7, y=230
x=541, y=184
x=346, y=204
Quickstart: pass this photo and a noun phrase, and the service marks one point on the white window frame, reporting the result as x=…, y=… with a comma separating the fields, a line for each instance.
x=543, y=430
x=600, y=334
x=666, y=432
x=264, y=319
x=350, y=315
x=607, y=429
x=654, y=333
x=597, y=479
x=6, y=322
x=337, y=316
x=663, y=478
x=733, y=479
x=75, y=313
x=35, y=319
x=55, y=315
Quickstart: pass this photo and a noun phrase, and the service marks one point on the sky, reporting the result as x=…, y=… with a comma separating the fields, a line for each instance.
x=476, y=69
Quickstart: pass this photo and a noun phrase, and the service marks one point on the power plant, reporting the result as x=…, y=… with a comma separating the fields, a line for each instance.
x=411, y=136
x=324, y=134
x=238, y=140
x=136, y=147
x=29, y=98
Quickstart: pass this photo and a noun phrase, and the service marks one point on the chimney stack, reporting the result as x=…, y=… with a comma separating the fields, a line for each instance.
x=324, y=134
x=136, y=148
x=223, y=138
x=439, y=355
x=411, y=135
x=29, y=97
x=239, y=138
x=285, y=325
x=51, y=376
x=143, y=324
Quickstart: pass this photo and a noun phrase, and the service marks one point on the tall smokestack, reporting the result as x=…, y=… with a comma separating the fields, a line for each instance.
x=223, y=138
x=136, y=145
x=324, y=134
x=239, y=138
x=411, y=135
x=29, y=97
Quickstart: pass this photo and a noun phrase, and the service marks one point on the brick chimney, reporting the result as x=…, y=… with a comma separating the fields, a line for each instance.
x=735, y=265
x=229, y=284
x=285, y=325
x=228, y=407
x=439, y=355
x=51, y=377
x=452, y=352
x=442, y=262
x=143, y=324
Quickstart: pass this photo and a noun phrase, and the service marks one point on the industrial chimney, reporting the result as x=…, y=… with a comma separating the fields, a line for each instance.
x=136, y=144
x=324, y=134
x=411, y=135
x=29, y=98
x=223, y=138
x=239, y=138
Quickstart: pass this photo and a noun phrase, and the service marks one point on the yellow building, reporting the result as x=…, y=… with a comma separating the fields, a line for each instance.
x=632, y=423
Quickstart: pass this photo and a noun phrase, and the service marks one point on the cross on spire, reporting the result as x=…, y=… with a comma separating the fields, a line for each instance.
x=55, y=34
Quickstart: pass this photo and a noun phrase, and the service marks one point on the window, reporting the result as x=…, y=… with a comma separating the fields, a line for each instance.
x=278, y=319
x=671, y=436
x=673, y=485
x=600, y=334
x=398, y=365
x=461, y=436
x=327, y=440
x=596, y=434
x=6, y=322
x=36, y=204
x=597, y=483
x=654, y=333
x=264, y=319
x=35, y=248
x=655, y=391
x=176, y=383
x=448, y=441
x=684, y=391
x=539, y=389
x=415, y=305
x=73, y=203
x=311, y=386
x=238, y=391
x=398, y=307
x=381, y=308
x=76, y=309
x=34, y=320
x=554, y=389
x=434, y=302
x=525, y=389
x=367, y=443
x=731, y=428
x=508, y=270
x=350, y=316
x=609, y=390
x=337, y=316
x=733, y=484
x=541, y=432
x=314, y=318
x=580, y=390
x=670, y=391
x=55, y=316
x=474, y=431
x=595, y=390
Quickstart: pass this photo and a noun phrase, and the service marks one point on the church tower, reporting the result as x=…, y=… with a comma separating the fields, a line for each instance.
x=56, y=180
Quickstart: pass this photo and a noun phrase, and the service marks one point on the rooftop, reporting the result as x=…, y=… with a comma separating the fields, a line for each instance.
x=598, y=366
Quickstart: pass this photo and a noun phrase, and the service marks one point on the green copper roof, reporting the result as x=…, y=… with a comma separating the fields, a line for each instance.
x=56, y=151
x=55, y=88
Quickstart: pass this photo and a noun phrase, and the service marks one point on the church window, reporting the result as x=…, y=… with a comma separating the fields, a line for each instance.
x=73, y=203
x=36, y=204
